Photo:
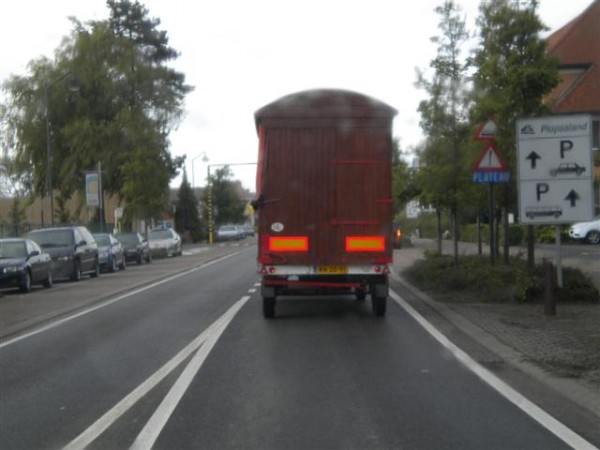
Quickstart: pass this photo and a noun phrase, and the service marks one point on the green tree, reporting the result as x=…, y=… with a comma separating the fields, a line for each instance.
x=128, y=102
x=443, y=175
x=227, y=206
x=513, y=74
x=404, y=187
x=187, y=217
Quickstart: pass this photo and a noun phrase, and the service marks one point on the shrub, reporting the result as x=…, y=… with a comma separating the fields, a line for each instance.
x=475, y=279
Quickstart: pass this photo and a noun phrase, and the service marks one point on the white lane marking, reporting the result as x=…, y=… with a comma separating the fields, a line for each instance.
x=557, y=428
x=111, y=416
x=110, y=302
x=157, y=422
x=251, y=291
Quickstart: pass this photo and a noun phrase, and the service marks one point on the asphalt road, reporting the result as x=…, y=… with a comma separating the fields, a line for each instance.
x=189, y=362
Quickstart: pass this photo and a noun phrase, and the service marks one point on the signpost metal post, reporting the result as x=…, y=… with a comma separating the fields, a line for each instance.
x=490, y=168
x=556, y=182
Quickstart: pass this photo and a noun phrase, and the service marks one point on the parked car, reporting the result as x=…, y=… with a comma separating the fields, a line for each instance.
x=248, y=230
x=135, y=247
x=586, y=231
x=110, y=252
x=73, y=250
x=229, y=233
x=164, y=242
x=23, y=263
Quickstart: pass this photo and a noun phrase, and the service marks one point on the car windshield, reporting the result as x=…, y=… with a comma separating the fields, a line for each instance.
x=159, y=234
x=129, y=239
x=12, y=249
x=53, y=238
x=102, y=240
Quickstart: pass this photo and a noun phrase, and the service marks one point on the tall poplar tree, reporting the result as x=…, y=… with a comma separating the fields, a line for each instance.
x=443, y=118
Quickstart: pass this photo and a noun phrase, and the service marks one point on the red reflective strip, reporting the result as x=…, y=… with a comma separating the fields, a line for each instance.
x=288, y=243
x=365, y=243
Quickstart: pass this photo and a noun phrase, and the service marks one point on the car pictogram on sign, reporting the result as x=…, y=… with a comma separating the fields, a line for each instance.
x=543, y=211
x=567, y=168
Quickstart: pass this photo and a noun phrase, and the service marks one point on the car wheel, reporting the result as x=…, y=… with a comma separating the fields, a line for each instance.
x=26, y=283
x=48, y=281
x=593, y=237
x=76, y=274
x=96, y=272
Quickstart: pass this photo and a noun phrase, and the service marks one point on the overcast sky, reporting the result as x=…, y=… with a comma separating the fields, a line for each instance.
x=241, y=55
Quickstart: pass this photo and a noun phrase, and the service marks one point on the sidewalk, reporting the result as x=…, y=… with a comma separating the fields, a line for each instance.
x=563, y=352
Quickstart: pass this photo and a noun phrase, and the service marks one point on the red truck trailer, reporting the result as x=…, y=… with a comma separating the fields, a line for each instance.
x=324, y=202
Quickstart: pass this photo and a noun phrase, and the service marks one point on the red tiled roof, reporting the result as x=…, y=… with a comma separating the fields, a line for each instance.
x=577, y=44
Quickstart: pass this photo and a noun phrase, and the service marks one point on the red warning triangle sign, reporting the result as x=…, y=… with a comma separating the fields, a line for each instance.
x=490, y=161
x=486, y=131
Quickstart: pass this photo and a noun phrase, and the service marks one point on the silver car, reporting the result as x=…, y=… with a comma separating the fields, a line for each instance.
x=164, y=242
x=229, y=233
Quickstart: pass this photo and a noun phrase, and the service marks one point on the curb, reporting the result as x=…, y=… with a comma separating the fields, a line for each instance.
x=583, y=396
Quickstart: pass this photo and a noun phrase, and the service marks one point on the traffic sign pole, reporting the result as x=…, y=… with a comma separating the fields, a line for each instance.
x=555, y=173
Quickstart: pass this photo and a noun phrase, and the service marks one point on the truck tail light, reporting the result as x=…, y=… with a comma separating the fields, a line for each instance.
x=288, y=243
x=365, y=243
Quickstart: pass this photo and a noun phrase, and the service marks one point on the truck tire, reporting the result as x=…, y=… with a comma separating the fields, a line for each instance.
x=360, y=294
x=269, y=307
x=379, y=306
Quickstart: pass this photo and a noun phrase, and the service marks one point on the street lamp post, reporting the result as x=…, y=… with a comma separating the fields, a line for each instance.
x=73, y=87
x=204, y=159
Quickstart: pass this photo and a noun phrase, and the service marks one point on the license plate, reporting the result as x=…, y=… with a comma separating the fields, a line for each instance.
x=332, y=269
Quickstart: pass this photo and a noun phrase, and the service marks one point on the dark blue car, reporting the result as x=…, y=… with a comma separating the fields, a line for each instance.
x=23, y=263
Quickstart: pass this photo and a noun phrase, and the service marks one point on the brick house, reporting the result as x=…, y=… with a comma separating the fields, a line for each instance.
x=577, y=47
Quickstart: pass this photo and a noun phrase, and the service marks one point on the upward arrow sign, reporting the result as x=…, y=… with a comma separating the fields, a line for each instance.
x=533, y=157
x=572, y=197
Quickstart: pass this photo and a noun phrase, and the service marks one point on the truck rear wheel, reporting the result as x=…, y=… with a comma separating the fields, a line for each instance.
x=379, y=306
x=360, y=293
x=269, y=307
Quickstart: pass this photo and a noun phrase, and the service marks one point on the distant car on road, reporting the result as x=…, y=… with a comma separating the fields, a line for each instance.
x=586, y=231
x=110, y=252
x=229, y=233
x=23, y=263
x=135, y=247
x=73, y=250
x=164, y=242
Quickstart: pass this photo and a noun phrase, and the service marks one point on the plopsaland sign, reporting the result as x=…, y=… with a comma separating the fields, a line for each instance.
x=555, y=169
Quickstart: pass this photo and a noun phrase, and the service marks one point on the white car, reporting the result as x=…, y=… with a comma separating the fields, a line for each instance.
x=229, y=233
x=164, y=242
x=587, y=231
